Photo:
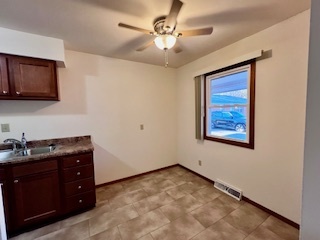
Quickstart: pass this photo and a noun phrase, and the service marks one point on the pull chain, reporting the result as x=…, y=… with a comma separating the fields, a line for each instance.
x=166, y=58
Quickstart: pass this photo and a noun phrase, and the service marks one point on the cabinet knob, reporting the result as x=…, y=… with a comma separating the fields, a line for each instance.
x=4, y=92
x=80, y=201
x=78, y=173
x=18, y=93
x=78, y=161
x=79, y=187
x=16, y=181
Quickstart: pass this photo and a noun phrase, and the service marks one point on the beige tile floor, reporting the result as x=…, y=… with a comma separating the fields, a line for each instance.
x=169, y=204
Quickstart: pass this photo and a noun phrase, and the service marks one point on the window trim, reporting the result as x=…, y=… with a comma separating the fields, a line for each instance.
x=250, y=143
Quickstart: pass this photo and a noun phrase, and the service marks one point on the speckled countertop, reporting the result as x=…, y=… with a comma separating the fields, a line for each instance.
x=64, y=146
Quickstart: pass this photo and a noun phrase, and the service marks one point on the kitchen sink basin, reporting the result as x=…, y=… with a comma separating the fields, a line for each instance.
x=7, y=154
x=34, y=151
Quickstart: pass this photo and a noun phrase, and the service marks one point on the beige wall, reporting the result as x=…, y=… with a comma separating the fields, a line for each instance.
x=271, y=174
x=107, y=99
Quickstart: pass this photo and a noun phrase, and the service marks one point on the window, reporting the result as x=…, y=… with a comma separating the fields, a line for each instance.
x=229, y=105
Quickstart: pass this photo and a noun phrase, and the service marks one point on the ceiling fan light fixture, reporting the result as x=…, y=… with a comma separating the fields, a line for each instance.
x=165, y=41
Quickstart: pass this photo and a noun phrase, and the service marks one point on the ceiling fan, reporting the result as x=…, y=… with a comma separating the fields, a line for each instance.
x=164, y=30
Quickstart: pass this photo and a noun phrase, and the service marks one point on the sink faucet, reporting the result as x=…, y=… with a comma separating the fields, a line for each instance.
x=22, y=143
x=14, y=143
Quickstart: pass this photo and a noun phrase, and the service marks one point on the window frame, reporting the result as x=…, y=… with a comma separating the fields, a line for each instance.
x=251, y=105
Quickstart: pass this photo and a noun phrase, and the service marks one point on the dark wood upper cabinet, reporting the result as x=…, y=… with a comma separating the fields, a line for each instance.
x=28, y=78
x=4, y=78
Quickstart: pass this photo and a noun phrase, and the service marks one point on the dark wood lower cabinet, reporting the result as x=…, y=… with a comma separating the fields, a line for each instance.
x=77, y=183
x=36, y=198
x=43, y=191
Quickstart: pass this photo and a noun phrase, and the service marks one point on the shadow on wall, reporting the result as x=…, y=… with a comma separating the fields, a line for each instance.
x=21, y=107
x=109, y=167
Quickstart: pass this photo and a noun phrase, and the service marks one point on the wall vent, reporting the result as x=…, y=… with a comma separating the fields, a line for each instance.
x=228, y=189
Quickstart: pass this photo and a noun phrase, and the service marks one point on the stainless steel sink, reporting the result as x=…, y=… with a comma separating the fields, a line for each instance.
x=7, y=154
x=34, y=151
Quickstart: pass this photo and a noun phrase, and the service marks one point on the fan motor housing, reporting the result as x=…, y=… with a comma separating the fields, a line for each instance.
x=158, y=25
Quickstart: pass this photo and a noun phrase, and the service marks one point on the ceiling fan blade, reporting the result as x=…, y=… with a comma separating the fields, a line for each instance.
x=136, y=28
x=177, y=48
x=143, y=47
x=195, y=32
x=171, y=19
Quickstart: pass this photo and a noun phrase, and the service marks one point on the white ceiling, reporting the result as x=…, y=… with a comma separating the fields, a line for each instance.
x=92, y=25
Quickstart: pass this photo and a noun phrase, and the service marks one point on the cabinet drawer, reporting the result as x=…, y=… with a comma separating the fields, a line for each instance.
x=78, y=160
x=78, y=187
x=33, y=168
x=77, y=173
x=80, y=201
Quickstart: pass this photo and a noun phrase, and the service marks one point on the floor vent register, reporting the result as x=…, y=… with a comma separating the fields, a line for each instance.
x=228, y=189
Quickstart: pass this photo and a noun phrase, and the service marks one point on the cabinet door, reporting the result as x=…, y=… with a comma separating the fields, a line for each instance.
x=34, y=78
x=36, y=198
x=4, y=80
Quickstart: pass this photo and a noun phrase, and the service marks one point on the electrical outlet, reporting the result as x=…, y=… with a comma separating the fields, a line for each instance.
x=5, y=127
x=200, y=163
x=141, y=126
